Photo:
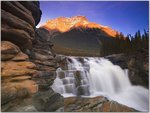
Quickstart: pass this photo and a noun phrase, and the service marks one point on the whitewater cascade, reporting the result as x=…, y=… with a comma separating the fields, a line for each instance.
x=91, y=77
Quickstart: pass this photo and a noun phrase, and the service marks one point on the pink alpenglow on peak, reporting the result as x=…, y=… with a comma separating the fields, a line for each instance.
x=64, y=24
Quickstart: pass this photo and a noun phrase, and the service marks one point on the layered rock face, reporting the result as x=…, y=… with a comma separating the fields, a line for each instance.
x=16, y=75
x=18, y=22
x=28, y=65
x=44, y=58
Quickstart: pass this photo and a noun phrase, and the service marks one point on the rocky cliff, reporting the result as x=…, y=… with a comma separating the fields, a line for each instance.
x=28, y=63
x=18, y=22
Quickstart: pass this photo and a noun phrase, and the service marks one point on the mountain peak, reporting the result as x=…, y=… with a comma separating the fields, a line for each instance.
x=64, y=24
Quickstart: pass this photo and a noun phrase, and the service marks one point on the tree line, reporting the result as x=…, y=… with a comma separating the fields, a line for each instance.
x=126, y=44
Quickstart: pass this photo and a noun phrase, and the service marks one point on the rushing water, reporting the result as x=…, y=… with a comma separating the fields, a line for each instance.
x=91, y=77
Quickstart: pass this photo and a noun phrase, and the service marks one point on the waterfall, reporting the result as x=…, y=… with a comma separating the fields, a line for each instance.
x=91, y=77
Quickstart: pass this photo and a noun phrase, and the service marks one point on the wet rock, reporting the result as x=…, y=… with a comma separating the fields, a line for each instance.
x=96, y=104
x=68, y=81
x=118, y=59
x=69, y=88
x=47, y=101
x=63, y=64
x=136, y=63
x=78, y=78
x=113, y=106
x=61, y=74
x=83, y=90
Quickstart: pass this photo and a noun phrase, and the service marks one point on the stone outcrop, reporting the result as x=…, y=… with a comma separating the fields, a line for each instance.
x=43, y=56
x=28, y=63
x=96, y=104
x=136, y=63
x=47, y=101
x=18, y=22
x=16, y=75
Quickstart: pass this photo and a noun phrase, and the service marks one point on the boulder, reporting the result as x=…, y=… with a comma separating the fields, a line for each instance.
x=96, y=104
x=47, y=101
x=61, y=74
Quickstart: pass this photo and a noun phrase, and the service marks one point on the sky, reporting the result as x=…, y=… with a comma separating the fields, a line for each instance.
x=124, y=16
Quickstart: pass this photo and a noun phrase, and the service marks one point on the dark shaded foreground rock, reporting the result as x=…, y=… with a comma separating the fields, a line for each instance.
x=42, y=55
x=96, y=104
x=47, y=101
x=18, y=22
x=25, y=105
x=137, y=63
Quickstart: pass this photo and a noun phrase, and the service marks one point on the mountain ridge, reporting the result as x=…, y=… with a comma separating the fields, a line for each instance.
x=64, y=24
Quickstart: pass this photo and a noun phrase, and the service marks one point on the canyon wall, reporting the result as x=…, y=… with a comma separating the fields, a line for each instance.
x=28, y=65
